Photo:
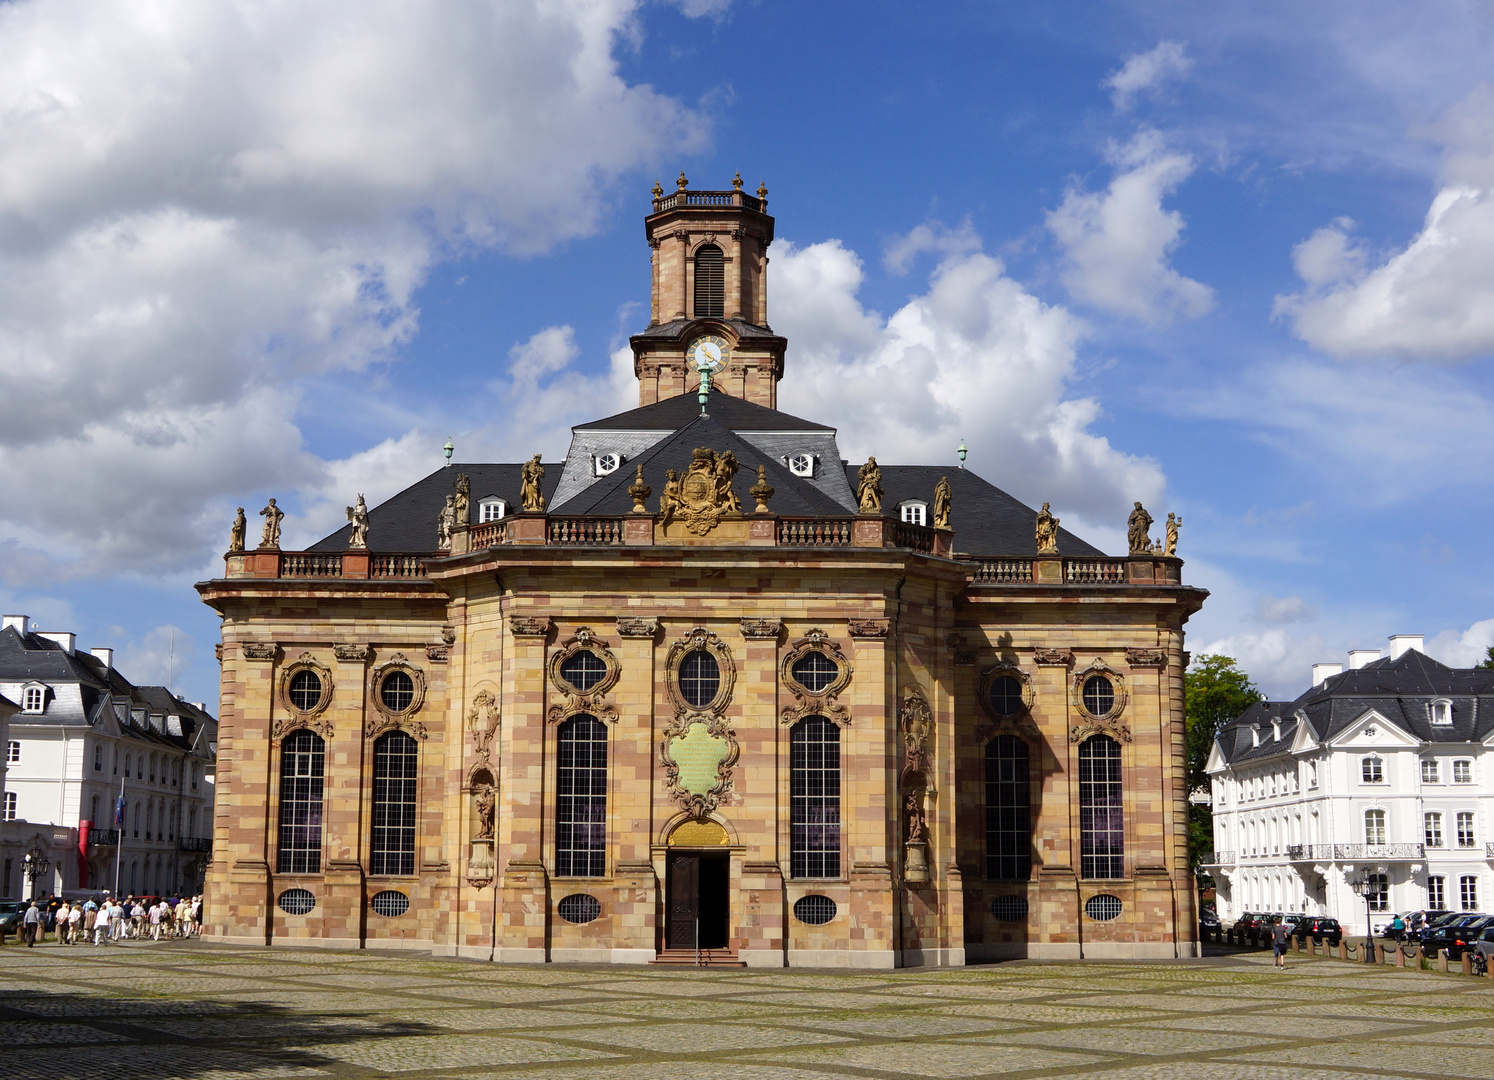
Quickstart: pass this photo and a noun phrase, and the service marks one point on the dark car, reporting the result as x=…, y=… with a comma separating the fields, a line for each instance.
x=1242, y=924
x=1456, y=934
x=1319, y=929
x=1418, y=922
x=10, y=915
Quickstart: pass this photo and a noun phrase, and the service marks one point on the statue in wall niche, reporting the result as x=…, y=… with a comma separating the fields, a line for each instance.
x=236, y=534
x=943, y=496
x=869, y=488
x=462, y=505
x=918, y=824
x=1138, y=526
x=1047, y=532
x=484, y=799
x=358, y=515
x=531, y=498
x=273, y=516
x=444, y=521
x=1173, y=524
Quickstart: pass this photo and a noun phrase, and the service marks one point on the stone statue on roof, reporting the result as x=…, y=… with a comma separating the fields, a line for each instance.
x=943, y=496
x=869, y=488
x=463, y=500
x=1173, y=524
x=1047, y=532
x=358, y=515
x=531, y=497
x=669, y=500
x=726, y=469
x=444, y=522
x=1138, y=526
x=273, y=516
x=236, y=534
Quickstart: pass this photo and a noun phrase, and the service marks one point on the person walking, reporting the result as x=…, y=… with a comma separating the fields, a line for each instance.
x=116, y=921
x=64, y=915
x=1279, y=935
x=31, y=923
x=156, y=911
x=74, y=923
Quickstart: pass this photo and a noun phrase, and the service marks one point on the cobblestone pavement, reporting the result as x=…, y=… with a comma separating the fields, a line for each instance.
x=204, y=1012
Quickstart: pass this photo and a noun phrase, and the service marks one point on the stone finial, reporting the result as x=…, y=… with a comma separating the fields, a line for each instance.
x=1047, y=532
x=658, y=190
x=762, y=491
x=236, y=534
x=682, y=183
x=736, y=182
x=639, y=491
x=762, y=192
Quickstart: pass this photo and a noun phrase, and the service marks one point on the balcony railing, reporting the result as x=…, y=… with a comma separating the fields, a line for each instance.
x=304, y=565
x=1353, y=852
x=814, y=532
x=1004, y=571
x=396, y=566
x=916, y=537
x=1217, y=858
x=195, y=843
x=103, y=838
x=585, y=530
x=489, y=533
x=707, y=198
x=1095, y=571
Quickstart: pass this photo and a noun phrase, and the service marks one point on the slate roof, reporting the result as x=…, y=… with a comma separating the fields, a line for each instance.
x=673, y=413
x=1400, y=690
x=676, y=329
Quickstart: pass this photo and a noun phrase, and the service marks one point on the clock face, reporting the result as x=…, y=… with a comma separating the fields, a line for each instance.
x=708, y=353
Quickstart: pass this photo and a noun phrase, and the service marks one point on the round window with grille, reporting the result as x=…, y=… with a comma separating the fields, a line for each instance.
x=1099, y=695
x=397, y=691
x=579, y=908
x=583, y=670
x=1103, y=908
x=1009, y=908
x=1006, y=695
x=814, y=910
x=390, y=904
x=297, y=901
x=305, y=690
x=815, y=671
x=700, y=678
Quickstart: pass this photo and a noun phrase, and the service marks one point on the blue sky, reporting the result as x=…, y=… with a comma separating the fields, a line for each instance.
x=1236, y=262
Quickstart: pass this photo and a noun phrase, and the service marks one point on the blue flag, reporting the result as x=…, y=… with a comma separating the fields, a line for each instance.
x=119, y=809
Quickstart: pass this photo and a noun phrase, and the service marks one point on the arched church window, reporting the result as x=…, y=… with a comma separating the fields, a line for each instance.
x=1008, y=810
x=814, y=798
x=396, y=757
x=581, y=798
x=1101, y=827
x=700, y=678
x=710, y=282
x=302, y=760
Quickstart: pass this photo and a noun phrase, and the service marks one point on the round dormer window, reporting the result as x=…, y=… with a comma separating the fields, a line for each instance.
x=608, y=463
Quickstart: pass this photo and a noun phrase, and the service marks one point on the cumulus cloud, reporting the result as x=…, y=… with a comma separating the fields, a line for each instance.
x=1147, y=72
x=203, y=205
x=931, y=237
x=1116, y=242
x=974, y=357
x=1463, y=648
x=1282, y=609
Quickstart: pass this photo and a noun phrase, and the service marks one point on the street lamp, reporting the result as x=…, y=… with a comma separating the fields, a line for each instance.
x=36, y=864
x=1364, y=883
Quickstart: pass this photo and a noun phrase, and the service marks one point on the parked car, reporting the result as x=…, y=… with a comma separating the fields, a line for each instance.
x=1242, y=924
x=1457, y=934
x=1319, y=928
x=10, y=915
x=1483, y=944
x=1418, y=921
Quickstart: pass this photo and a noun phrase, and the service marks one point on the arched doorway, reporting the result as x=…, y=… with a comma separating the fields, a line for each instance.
x=698, y=887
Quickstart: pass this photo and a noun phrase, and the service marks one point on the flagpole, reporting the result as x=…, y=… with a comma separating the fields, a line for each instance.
x=119, y=823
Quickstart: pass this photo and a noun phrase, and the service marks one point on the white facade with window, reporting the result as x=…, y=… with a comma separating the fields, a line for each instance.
x=1382, y=770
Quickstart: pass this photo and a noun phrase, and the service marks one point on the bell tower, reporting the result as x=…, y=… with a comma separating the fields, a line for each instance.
x=709, y=296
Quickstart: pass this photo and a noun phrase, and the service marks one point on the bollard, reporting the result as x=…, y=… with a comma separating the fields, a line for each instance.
x=1467, y=962
x=1400, y=955
x=1442, y=961
x=1343, y=949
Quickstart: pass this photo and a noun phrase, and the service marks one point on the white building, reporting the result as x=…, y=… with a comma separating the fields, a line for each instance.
x=82, y=736
x=1381, y=769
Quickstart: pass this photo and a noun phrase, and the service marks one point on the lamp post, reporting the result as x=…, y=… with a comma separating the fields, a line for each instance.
x=35, y=864
x=1363, y=883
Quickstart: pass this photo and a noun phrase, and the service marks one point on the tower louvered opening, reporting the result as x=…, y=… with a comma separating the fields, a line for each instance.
x=710, y=282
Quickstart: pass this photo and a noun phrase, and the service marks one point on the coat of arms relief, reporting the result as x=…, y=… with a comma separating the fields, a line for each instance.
x=703, y=495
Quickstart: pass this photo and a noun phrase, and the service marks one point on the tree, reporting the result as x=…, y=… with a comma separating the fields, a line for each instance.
x=1489, y=659
x=1215, y=692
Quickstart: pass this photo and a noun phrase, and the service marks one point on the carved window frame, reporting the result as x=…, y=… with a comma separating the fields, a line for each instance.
x=384, y=718
x=574, y=701
x=295, y=718
x=700, y=638
x=988, y=679
x=808, y=702
x=1091, y=724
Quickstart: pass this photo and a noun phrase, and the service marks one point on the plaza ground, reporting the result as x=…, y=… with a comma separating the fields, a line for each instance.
x=141, y=1011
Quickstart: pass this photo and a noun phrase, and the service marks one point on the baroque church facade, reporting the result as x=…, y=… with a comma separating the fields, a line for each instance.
x=703, y=692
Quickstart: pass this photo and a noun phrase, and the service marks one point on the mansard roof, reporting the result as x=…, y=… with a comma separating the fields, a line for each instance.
x=1401, y=691
x=734, y=413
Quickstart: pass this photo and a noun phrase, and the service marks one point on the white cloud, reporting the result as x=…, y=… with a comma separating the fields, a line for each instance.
x=1147, y=71
x=1463, y=648
x=1116, y=242
x=930, y=237
x=201, y=205
x=975, y=357
x=1283, y=609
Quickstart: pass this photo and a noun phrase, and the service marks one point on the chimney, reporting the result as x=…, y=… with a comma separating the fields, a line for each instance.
x=1321, y=673
x=61, y=637
x=1401, y=644
x=1359, y=657
x=21, y=624
x=1276, y=729
x=1255, y=735
x=105, y=657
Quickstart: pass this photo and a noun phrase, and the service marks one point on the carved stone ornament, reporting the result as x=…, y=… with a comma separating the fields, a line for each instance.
x=869, y=628
x=988, y=679
x=448, y=634
x=383, y=718
x=259, y=650
x=218, y=651
x=575, y=700
x=915, y=722
x=1090, y=724
x=699, y=638
x=703, y=495
x=809, y=702
x=438, y=654
x=292, y=718
x=350, y=652
x=482, y=720
x=698, y=751
x=762, y=629
x=529, y=625
x=1053, y=657
x=637, y=628
x=1146, y=658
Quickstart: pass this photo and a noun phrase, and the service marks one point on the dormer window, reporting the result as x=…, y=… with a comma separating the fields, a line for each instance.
x=1442, y=712
x=800, y=464
x=610, y=462
x=915, y=513
x=35, y=698
x=491, y=508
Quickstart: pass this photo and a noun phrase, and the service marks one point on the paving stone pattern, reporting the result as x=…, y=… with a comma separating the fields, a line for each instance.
x=193, y=1011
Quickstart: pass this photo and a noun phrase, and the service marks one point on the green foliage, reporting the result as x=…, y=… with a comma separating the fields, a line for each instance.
x=1215, y=692
x=1488, y=659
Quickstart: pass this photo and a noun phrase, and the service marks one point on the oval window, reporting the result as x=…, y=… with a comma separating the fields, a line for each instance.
x=579, y=908
x=1099, y=695
x=583, y=670
x=1006, y=695
x=1009, y=908
x=297, y=901
x=1103, y=908
x=815, y=671
x=397, y=691
x=305, y=690
x=390, y=904
x=814, y=910
x=700, y=678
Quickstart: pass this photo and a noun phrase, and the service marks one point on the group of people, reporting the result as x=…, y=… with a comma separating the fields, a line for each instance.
x=111, y=919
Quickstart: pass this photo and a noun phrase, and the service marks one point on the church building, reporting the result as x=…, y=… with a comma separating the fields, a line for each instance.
x=704, y=692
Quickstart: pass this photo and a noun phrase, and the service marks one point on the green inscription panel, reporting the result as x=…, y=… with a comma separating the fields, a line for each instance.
x=697, y=753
